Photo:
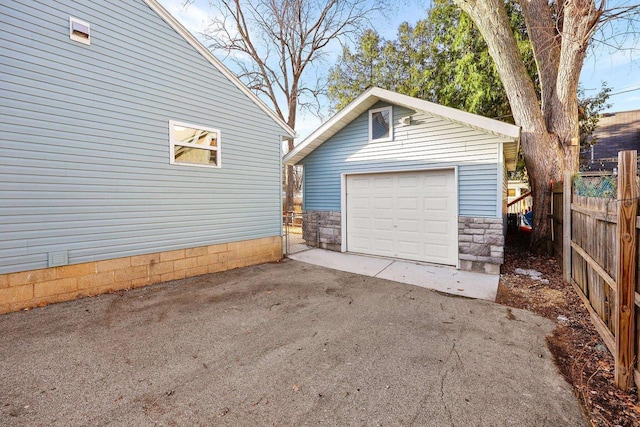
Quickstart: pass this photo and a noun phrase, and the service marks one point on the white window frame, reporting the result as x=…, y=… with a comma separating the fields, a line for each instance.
x=76, y=37
x=376, y=110
x=173, y=143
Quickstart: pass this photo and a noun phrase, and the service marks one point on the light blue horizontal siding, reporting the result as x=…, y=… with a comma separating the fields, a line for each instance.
x=85, y=144
x=429, y=142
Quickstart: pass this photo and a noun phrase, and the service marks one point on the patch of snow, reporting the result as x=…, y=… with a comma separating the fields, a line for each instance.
x=532, y=273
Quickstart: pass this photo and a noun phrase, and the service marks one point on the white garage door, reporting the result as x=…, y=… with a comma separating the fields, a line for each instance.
x=409, y=215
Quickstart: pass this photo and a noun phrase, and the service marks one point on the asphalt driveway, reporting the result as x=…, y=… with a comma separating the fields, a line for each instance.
x=280, y=344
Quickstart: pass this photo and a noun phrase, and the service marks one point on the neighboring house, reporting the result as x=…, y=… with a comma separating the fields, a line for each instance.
x=400, y=177
x=519, y=205
x=516, y=188
x=615, y=132
x=130, y=155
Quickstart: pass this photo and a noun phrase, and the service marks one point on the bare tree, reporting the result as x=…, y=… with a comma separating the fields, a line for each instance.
x=273, y=42
x=560, y=33
x=297, y=178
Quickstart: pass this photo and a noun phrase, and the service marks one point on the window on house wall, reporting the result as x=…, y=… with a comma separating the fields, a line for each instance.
x=194, y=145
x=380, y=124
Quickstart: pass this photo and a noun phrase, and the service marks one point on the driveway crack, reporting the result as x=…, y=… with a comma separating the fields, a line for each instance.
x=443, y=400
x=457, y=363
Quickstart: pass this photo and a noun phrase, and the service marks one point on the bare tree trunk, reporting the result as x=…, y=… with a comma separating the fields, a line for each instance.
x=542, y=152
x=290, y=179
x=292, y=106
x=545, y=165
x=550, y=132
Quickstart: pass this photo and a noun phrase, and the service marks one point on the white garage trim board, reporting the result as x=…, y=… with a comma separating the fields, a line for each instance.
x=402, y=214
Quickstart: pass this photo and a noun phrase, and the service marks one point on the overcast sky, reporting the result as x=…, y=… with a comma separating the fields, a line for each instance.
x=615, y=66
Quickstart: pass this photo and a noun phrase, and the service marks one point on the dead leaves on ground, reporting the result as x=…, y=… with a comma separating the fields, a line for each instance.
x=576, y=346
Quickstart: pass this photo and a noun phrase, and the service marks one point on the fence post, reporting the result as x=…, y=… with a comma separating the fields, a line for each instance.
x=626, y=269
x=286, y=233
x=567, y=188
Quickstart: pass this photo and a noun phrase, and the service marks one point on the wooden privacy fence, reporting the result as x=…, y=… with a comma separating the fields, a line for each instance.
x=599, y=256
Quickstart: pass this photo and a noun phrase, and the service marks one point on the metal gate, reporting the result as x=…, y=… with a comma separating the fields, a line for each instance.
x=292, y=233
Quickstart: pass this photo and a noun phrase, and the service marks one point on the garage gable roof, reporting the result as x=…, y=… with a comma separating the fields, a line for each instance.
x=177, y=26
x=372, y=95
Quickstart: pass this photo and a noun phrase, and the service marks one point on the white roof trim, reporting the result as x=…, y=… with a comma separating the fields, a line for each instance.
x=373, y=95
x=180, y=29
x=474, y=120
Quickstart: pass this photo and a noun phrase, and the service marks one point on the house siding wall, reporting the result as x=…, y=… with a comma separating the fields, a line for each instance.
x=429, y=142
x=85, y=145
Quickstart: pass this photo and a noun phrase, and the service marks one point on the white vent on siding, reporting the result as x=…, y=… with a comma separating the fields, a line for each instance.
x=58, y=258
x=79, y=31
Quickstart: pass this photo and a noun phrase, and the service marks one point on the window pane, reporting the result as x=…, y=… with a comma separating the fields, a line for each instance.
x=512, y=192
x=380, y=124
x=194, y=136
x=195, y=155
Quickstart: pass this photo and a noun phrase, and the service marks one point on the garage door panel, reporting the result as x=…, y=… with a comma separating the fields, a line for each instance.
x=409, y=215
x=436, y=255
x=406, y=249
x=437, y=219
x=383, y=203
x=437, y=180
x=409, y=180
x=381, y=213
x=382, y=224
x=408, y=203
x=383, y=182
x=407, y=225
x=383, y=235
x=360, y=244
x=437, y=204
x=360, y=203
x=362, y=225
x=435, y=229
x=359, y=182
x=384, y=246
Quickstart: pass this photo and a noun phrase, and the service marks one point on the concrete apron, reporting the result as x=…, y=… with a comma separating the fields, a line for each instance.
x=440, y=278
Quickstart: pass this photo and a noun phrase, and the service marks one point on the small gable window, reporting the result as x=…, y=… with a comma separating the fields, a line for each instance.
x=194, y=145
x=380, y=124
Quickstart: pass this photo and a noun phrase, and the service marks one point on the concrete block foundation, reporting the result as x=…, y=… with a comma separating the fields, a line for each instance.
x=35, y=288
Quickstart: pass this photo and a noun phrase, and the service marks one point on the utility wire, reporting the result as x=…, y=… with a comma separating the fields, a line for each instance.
x=624, y=91
x=622, y=88
x=611, y=94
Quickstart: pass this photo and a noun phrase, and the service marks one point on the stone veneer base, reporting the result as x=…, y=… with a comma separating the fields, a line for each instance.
x=480, y=240
x=481, y=244
x=321, y=229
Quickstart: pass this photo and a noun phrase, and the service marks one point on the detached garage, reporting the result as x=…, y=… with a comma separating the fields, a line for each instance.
x=396, y=176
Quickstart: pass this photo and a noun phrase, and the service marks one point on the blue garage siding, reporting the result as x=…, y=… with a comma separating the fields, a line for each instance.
x=85, y=144
x=429, y=142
